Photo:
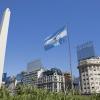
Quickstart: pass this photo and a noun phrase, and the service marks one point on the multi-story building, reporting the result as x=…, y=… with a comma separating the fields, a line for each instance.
x=19, y=77
x=52, y=80
x=34, y=65
x=68, y=79
x=89, y=70
x=34, y=71
x=35, y=75
x=32, y=77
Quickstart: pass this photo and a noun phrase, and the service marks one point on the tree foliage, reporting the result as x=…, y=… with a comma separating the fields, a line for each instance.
x=27, y=92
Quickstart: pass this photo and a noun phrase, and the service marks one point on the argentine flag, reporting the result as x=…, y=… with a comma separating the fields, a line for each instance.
x=56, y=39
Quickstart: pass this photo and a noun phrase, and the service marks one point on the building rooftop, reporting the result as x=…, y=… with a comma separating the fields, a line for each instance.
x=52, y=71
x=34, y=65
x=90, y=61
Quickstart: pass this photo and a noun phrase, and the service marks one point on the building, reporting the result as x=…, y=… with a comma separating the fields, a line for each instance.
x=3, y=39
x=36, y=76
x=11, y=84
x=85, y=51
x=34, y=71
x=68, y=80
x=89, y=71
x=34, y=65
x=32, y=77
x=52, y=80
x=4, y=77
x=76, y=84
x=19, y=77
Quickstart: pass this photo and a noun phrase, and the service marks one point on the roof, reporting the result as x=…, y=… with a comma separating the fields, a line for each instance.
x=52, y=71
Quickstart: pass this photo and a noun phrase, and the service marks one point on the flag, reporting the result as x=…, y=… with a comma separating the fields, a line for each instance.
x=56, y=39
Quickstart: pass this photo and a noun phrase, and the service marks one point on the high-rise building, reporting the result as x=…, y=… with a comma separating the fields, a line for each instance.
x=3, y=39
x=34, y=65
x=89, y=71
x=85, y=51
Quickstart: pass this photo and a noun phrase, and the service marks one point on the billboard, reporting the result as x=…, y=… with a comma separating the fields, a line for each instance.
x=85, y=51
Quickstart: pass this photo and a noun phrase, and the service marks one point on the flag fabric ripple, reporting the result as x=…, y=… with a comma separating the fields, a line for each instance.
x=56, y=39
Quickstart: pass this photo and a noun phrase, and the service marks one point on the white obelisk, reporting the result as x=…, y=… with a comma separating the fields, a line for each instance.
x=3, y=39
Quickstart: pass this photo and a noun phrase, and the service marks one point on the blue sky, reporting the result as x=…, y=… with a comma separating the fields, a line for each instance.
x=33, y=20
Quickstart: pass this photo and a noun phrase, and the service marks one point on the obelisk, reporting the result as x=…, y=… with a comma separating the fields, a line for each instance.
x=3, y=39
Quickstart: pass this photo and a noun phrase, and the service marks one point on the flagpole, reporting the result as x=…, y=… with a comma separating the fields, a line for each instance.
x=70, y=63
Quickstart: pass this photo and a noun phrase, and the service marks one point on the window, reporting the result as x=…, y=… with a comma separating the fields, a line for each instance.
x=87, y=79
x=84, y=87
x=55, y=78
x=91, y=78
x=91, y=74
x=86, y=74
x=84, y=83
x=96, y=82
x=82, y=70
x=83, y=74
x=55, y=85
x=97, y=68
x=90, y=68
x=92, y=83
x=87, y=83
x=92, y=87
x=94, y=69
x=88, y=87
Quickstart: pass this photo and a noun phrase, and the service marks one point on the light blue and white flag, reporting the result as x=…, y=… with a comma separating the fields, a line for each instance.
x=56, y=39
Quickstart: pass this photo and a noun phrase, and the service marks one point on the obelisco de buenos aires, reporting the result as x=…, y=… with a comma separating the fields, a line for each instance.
x=3, y=39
